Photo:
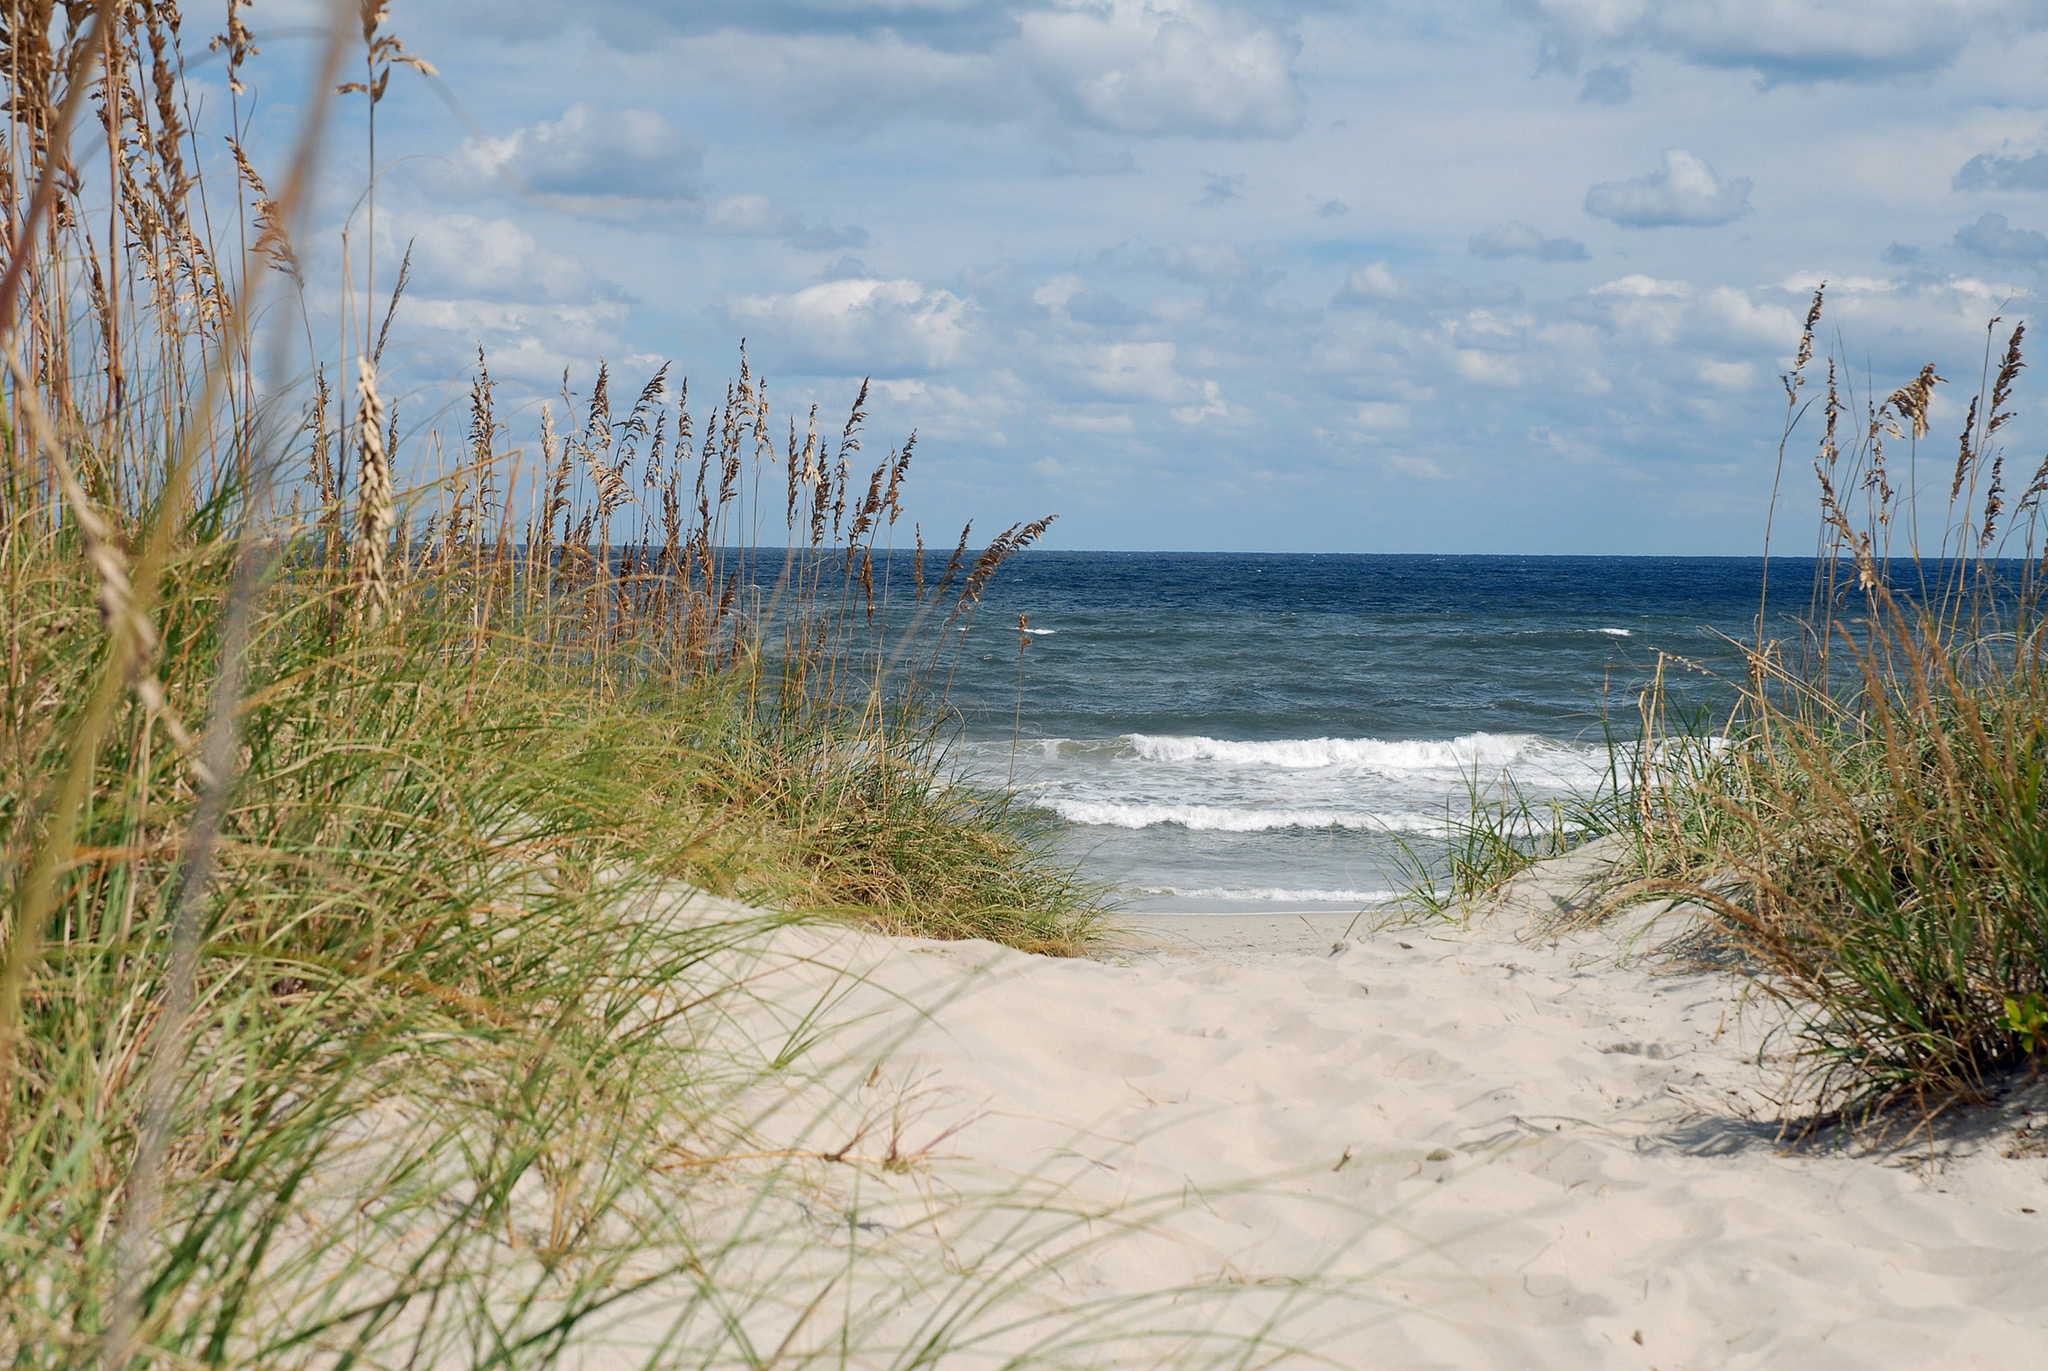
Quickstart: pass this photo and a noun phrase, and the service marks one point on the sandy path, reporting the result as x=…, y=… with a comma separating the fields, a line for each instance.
x=1501, y=1153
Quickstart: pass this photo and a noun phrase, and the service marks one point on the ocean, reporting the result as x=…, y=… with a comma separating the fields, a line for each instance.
x=1227, y=733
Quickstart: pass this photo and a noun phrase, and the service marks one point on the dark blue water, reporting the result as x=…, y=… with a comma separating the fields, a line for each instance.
x=1223, y=731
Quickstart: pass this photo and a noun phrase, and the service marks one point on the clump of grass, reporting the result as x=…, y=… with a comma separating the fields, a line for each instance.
x=1867, y=827
x=1871, y=836
x=1493, y=833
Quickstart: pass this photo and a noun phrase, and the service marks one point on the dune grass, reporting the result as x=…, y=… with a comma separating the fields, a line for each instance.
x=1877, y=816
x=354, y=1009
x=1866, y=828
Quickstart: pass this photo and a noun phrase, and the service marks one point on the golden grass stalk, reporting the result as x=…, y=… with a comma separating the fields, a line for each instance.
x=375, y=502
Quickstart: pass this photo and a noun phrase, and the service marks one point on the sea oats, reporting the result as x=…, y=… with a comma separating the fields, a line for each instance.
x=375, y=513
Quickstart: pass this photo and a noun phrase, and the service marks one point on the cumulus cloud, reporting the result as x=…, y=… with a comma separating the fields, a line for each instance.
x=1203, y=68
x=1517, y=239
x=862, y=323
x=1781, y=40
x=466, y=256
x=597, y=155
x=1165, y=67
x=634, y=163
x=1993, y=237
x=1986, y=172
x=1684, y=191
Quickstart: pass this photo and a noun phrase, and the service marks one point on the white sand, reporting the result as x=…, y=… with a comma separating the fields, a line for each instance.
x=1479, y=1151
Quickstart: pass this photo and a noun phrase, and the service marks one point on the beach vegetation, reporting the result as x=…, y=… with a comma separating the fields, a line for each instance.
x=1862, y=827
x=1870, y=830
x=364, y=787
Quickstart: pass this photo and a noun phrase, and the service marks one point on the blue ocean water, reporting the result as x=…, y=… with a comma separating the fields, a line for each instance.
x=1219, y=732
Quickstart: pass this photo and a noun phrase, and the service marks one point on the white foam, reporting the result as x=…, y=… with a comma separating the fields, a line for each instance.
x=1484, y=750
x=1219, y=819
x=1271, y=894
x=1615, y=632
x=1041, y=632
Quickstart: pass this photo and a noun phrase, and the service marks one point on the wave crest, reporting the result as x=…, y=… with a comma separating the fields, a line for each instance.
x=1486, y=751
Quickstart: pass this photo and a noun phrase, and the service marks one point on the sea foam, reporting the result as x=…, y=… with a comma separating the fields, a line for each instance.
x=1484, y=750
x=1222, y=819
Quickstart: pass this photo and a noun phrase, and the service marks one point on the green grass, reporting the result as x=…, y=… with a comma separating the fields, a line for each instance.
x=353, y=1011
x=427, y=908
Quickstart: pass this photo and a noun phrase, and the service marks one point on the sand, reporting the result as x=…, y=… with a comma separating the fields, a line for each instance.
x=1409, y=1147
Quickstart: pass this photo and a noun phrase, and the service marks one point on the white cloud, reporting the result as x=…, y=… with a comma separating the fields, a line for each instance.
x=462, y=255
x=1080, y=421
x=594, y=155
x=1136, y=67
x=1055, y=294
x=1380, y=416
x=1212, y=407
x=1783, y=40
x=1134, y=371
x=1643, y=287
x=1378, y=281
x=1805, y=39
x=1736, y=315
x=1728, y=376
x=862, y=324
x=1165, y=66
x=1409, y=464
x=1487, y=368
x=532, y=342
x=1684, y=191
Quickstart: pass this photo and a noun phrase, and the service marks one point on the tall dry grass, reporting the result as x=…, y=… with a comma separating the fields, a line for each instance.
x=1865, y=827
x=343, y=1010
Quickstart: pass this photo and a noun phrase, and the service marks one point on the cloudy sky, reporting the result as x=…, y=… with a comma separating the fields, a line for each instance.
x=1316, y=275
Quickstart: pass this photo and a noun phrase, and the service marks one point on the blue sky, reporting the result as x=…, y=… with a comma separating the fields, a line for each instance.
x=1317, y=275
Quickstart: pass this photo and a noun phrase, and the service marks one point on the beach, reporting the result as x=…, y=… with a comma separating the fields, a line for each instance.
x=1401, y=1146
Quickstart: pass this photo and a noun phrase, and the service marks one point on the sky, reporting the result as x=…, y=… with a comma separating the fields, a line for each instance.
x=1512, y=276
